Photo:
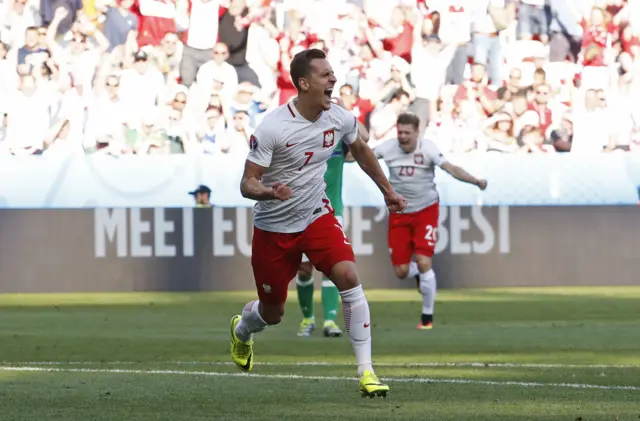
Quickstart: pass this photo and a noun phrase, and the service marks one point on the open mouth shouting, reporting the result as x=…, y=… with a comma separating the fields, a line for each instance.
x=327, y=94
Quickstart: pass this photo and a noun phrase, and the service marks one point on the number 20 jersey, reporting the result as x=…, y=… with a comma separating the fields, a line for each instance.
x=295, y=151
x=412, y=175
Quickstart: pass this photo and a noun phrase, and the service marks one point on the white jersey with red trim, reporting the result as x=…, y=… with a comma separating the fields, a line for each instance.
x=295, y=151
x=412, y=175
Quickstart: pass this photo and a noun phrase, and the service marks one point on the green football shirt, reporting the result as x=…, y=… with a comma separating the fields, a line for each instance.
x=333, y=177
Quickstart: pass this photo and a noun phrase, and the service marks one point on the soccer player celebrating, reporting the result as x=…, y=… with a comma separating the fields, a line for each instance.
x=284, y=174
x=411, y=163
x=304, y=281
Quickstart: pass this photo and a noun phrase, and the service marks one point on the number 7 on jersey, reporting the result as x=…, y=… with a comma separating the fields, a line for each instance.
x=308, y=155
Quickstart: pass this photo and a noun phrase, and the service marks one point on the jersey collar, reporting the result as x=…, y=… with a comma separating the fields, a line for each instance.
x=295, y=114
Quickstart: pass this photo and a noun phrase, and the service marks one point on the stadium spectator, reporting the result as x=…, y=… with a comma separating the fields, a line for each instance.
x=142, y=86
x=107, y=115
x=217, y=74
x=565, y=31
x=593, y=131
x=200, y=37
x=196, y=76
x=15, y=18
x=234, y=32
x=428, y=53
x=50, y=10
x=361, y=108
x=236, y=139
x=488, y=20
x=454, y=27
x=383, y=118
x=455, y=127
x=533, y=20
x=119, y=22
x=211, y=132
x=477, y=91
x=498, y=133
x=533, y=141
x=202, y=196
x=514, y=82
x=143, y=136
x=540, y=105
x=562, y=137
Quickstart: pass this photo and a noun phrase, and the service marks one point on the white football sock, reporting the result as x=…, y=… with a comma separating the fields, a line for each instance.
x=428, y=290
x=413, y=270
x=355, y=310
x=250, y=323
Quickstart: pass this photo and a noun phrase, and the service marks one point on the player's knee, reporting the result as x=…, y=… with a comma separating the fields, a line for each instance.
x=402, y=271
x=272, y=313
x=345, y=276
x=305, y=271
x=424, y=263
x=351, y=278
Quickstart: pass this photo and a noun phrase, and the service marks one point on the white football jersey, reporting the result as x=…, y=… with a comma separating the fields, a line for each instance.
x=412, y=174
x=295, y=151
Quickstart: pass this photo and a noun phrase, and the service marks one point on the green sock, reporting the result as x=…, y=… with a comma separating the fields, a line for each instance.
x=330, y=300
x=305, y=296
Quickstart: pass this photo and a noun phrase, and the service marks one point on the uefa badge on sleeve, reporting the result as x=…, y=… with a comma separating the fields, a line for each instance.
x=253, y=143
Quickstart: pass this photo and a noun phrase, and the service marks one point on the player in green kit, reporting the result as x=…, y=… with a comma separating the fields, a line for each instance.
x=304, y=281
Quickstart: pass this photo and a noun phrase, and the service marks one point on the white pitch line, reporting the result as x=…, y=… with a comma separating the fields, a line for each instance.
x=329, y=364
x=322, y=378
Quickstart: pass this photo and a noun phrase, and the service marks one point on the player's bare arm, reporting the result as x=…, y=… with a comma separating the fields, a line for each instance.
x=363, y=134
x=252, y=188
x=460, y=174
x=367, y=160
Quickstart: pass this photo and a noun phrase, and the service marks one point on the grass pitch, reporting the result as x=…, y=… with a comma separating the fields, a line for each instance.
x=498, y=354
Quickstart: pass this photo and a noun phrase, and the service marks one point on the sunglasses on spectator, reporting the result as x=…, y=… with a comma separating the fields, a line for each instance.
x=180, y=101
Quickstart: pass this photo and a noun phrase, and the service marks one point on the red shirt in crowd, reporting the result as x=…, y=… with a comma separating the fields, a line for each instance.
x=595, y=37
x=152, y=29
x=627, y=41
x=285, y=84
x=545, y=115
x=401, y=44
x=304, y=40
x=361, y=109
x=463, y=95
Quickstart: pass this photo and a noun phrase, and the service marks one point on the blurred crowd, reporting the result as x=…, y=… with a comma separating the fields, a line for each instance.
x=197, y=76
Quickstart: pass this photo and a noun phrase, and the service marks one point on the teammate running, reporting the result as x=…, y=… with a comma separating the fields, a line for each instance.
x=411, y=165
x=284, y=174
x=304, y=281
